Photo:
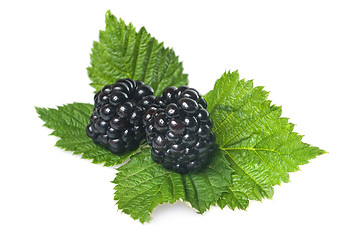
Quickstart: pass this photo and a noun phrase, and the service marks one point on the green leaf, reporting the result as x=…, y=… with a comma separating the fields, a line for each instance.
x=69, y=124
x=124, y=53
x=203, y=189
x=259, y=145
x=141, y=185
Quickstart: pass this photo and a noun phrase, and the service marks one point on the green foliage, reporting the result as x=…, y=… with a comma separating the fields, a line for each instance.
x=124, y=53
x=141, y=185
x=257, y=148
x=259, y=145
x=69, y=124
x=203, y=189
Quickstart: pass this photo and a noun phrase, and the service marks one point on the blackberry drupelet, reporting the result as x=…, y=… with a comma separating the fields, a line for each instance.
x=116, y=121
x=179, y=129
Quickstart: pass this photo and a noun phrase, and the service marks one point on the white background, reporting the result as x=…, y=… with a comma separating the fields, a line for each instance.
x=306, y=53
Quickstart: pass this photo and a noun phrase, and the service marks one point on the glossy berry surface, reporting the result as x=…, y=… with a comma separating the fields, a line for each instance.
x=116, y=121
x=179, y=129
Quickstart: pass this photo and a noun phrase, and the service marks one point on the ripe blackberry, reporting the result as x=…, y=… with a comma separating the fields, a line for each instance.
x=116, y=121
x=179, y=129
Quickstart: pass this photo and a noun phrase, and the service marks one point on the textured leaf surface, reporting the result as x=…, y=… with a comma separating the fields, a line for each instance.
x=141, y=185
x=204, y=189
x=258, y=144
x=124, y=53
x=69, y=124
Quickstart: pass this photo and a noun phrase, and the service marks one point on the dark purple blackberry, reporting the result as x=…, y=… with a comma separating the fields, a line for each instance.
x=116, y=121
x=179, y=129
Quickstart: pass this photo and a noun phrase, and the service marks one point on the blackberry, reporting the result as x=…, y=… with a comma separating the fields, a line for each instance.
x=116, y=121
x=179, y=129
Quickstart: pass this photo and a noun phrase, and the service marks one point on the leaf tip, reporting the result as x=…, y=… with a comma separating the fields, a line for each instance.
x=39, y=110
x=322, y=152
x=108, y=13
